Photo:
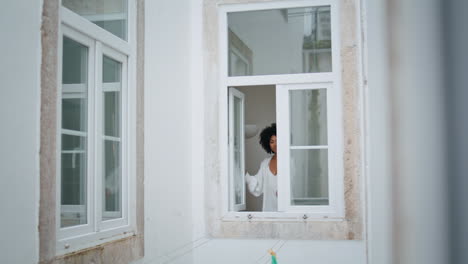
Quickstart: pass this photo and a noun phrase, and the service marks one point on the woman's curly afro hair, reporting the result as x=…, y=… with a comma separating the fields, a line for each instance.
x=265, y=136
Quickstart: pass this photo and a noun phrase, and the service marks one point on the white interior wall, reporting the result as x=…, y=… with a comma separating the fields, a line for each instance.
x=168, y=189
x=260, y=110
x=20, y=23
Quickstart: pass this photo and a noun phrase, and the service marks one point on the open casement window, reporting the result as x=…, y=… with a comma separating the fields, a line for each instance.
x=111, y=89
x=293, y=46
x=74, y=135
x=78, y=81
x=307, y=132
x=236, y=151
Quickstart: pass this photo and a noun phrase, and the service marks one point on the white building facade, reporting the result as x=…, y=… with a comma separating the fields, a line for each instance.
x=123, y=143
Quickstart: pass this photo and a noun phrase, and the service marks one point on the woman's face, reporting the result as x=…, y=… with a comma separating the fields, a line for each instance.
x=273, y=143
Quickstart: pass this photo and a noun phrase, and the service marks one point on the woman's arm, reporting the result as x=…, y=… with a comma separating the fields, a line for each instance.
x=255, y=182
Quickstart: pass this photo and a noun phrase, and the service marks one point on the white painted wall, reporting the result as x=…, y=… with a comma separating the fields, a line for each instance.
x=418, y=106
x=168, y=148
x=197, y=120
x=377, y=97
x=20, y=23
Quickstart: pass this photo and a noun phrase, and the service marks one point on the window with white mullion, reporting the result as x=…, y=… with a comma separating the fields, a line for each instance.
x=284, y=78
x=291, y=45
x=113, y=186
x=303, y=121
x=92, y=123
x=74, y=133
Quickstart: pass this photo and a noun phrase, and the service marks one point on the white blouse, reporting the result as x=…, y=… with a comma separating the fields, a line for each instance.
x=266, y=183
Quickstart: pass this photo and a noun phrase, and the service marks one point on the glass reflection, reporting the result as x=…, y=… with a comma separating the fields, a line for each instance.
x=280, y=41
x=308, y=117
x=74, y=134
x=112, y=182
x=110, y=15
x=238, y=133
x=309, y=177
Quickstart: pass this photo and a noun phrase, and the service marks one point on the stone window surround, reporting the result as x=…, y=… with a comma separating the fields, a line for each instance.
x=118, y=251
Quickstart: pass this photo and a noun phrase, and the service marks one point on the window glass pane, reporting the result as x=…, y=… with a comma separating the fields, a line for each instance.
x=73, y=141
x=112, y=84
x=308, y=117
x=74, y=113
x=238, y=133
x=112, y=70
x=111, y=15
x=112, y=181
x=280, y=41
x=112, y=114
x=75, y=62
x=74, y=88
x=73, y=191
x=309, y=177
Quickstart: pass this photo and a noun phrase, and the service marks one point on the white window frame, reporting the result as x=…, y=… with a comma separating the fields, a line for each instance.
x=240, y=57
x=234, y=93
x=335, y=165
x=333, y=212
x=100, y=43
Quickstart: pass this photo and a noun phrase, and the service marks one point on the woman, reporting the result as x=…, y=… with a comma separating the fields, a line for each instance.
x=265, y=181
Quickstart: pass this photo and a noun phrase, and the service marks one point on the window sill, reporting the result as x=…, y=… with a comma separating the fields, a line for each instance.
x=88, y=241
x=279, y=217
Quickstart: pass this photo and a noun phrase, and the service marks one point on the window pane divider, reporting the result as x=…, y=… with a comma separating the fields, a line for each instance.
x=105, y=17
x=111, y=138
x=73, y=152
x=99, y=131
x=74, y=87
x=69, y=95
x=226, y=8
x=309, y=147
x=70, y=132
x=111, y=87
x=319, y=77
